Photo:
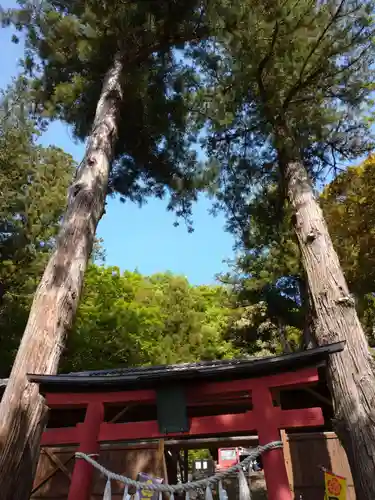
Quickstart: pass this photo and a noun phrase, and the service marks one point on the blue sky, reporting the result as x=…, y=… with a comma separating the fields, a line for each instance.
x=141, y=238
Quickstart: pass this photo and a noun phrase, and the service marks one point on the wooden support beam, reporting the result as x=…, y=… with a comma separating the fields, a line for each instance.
x=121, y=413
x=80, y=487
x=50, y=475
x=306, y=417
x=194, y=394
x=161, y=452
x=269, y=430
x=209, y=425
x=185, y=443
x=200, y=443
x=199, y=426
x=60, y=437
x=287, y=457
x=59, y=465
x=289, y=379
x=56, y=461
x=318, y=396
x=186, y=465
x=80, y=400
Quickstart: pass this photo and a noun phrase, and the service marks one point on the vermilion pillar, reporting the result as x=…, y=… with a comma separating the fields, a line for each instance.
x=268, y=430
x=80, y=487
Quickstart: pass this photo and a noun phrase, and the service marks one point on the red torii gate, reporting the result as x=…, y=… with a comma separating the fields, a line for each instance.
x=265, y=419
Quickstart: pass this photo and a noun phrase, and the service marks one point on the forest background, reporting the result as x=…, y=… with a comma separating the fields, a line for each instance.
x=128, y=318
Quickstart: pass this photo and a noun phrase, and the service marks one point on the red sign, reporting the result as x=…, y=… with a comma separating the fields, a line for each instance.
x=228, y=457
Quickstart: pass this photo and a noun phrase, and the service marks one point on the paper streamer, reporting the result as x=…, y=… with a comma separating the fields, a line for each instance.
x=244, y=493
x=208, y=495
x=126, y=493
x=223, y=495
x=107, y=491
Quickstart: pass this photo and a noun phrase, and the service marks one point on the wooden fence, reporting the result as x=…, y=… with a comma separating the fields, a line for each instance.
x=56, y=466
x=305, y=455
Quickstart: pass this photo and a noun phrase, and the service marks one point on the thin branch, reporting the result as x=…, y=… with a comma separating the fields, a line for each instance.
x=313, y=75
x=296, y=87
x=321, y=37
x=264, y=62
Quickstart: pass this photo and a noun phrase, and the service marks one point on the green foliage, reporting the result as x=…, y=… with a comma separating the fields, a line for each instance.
x=269, y=289
x=269, y=306
x=71, y=46
x=129, y=319
x=293, y=80
x=348, y=205
x=33, y=187
x=258, y=333
x=197, y=455
x=268, y=280
x=299, y=68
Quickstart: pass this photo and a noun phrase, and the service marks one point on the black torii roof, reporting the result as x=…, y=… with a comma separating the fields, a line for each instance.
x=153, y=376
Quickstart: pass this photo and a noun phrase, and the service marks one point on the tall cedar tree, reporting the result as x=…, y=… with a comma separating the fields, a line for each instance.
x=268, y=270
x=107, y=69
x=284, y=93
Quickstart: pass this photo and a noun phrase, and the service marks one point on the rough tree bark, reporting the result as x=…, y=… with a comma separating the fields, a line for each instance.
x=350, y=373
x=22, y=410
x=308, y=341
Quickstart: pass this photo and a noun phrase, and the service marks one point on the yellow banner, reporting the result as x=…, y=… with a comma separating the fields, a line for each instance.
x=335, y=486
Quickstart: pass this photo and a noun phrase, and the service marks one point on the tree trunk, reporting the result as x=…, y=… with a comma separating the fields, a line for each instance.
x=349, y=373
x=22, y=410
x=308, y=341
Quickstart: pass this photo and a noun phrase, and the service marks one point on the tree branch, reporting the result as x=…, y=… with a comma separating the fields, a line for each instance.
x=264, y=62
x=195, y=36
x=296, y=87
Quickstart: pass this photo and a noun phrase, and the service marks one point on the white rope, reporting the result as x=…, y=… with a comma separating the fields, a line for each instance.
x=192, y=485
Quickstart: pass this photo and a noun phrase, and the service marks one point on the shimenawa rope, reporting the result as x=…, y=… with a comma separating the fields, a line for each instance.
x=183, y=487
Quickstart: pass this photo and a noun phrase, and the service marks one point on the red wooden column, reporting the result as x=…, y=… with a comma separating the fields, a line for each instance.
x=80, y=487
x=267, y=423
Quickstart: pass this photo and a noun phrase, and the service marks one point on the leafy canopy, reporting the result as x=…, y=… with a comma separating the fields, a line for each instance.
x=129, y=319
x=267, y=278
x=293, y=79
x=33, y=187
x=69, y=48
x=349, y=209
